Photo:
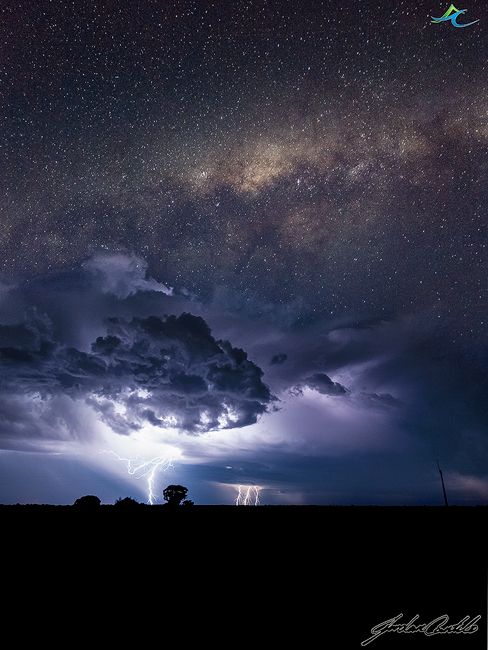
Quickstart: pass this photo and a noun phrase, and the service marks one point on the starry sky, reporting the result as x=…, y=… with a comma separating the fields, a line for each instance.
x=248, y=239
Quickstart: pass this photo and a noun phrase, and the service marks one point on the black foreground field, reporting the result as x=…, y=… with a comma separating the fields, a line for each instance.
x=326, y=572
x=429, y=527
x=475, y=517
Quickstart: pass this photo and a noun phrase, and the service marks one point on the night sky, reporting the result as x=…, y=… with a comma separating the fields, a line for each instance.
x=246, y=240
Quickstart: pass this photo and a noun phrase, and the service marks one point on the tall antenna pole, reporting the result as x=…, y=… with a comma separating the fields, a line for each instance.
x=443, y=486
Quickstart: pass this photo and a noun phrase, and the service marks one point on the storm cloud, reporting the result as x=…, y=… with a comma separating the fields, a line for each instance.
x=167, y=371
x=323, y=384
x=91, y=361
x=278, y=359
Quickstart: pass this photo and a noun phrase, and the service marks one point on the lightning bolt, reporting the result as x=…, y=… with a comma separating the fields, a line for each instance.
x=147, y=469
x=248, y=495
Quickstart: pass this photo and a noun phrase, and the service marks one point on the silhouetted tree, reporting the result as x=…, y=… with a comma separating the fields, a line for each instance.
x=174, y=494
x=127, y=503
x=88, y=501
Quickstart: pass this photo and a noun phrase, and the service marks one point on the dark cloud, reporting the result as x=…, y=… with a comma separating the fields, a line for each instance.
x=166, y=371
x=323, y=384
x=383, y=399
x=278, y=359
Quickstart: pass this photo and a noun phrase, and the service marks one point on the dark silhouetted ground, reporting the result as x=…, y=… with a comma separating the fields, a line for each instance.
x=308, y=576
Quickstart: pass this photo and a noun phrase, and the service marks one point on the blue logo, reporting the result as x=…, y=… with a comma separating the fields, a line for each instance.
x=451, y=15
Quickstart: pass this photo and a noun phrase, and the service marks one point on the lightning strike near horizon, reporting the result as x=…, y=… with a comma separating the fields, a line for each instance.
x=248, y=495
x=145, y=469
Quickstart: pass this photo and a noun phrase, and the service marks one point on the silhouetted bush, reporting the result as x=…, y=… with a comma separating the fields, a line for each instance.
x=88, y=501
x=187, y=502
x=174, y=494
x=127, y=503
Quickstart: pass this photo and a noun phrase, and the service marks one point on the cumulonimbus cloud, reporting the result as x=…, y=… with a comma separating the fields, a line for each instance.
x=168, y=372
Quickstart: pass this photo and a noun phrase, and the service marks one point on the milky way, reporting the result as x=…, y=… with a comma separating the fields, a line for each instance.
x=315, y=171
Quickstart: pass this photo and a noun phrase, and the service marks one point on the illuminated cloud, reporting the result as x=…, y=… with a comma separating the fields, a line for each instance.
x=169, y=372
x=123, y=275
x=323, y=384
x=64, y=365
